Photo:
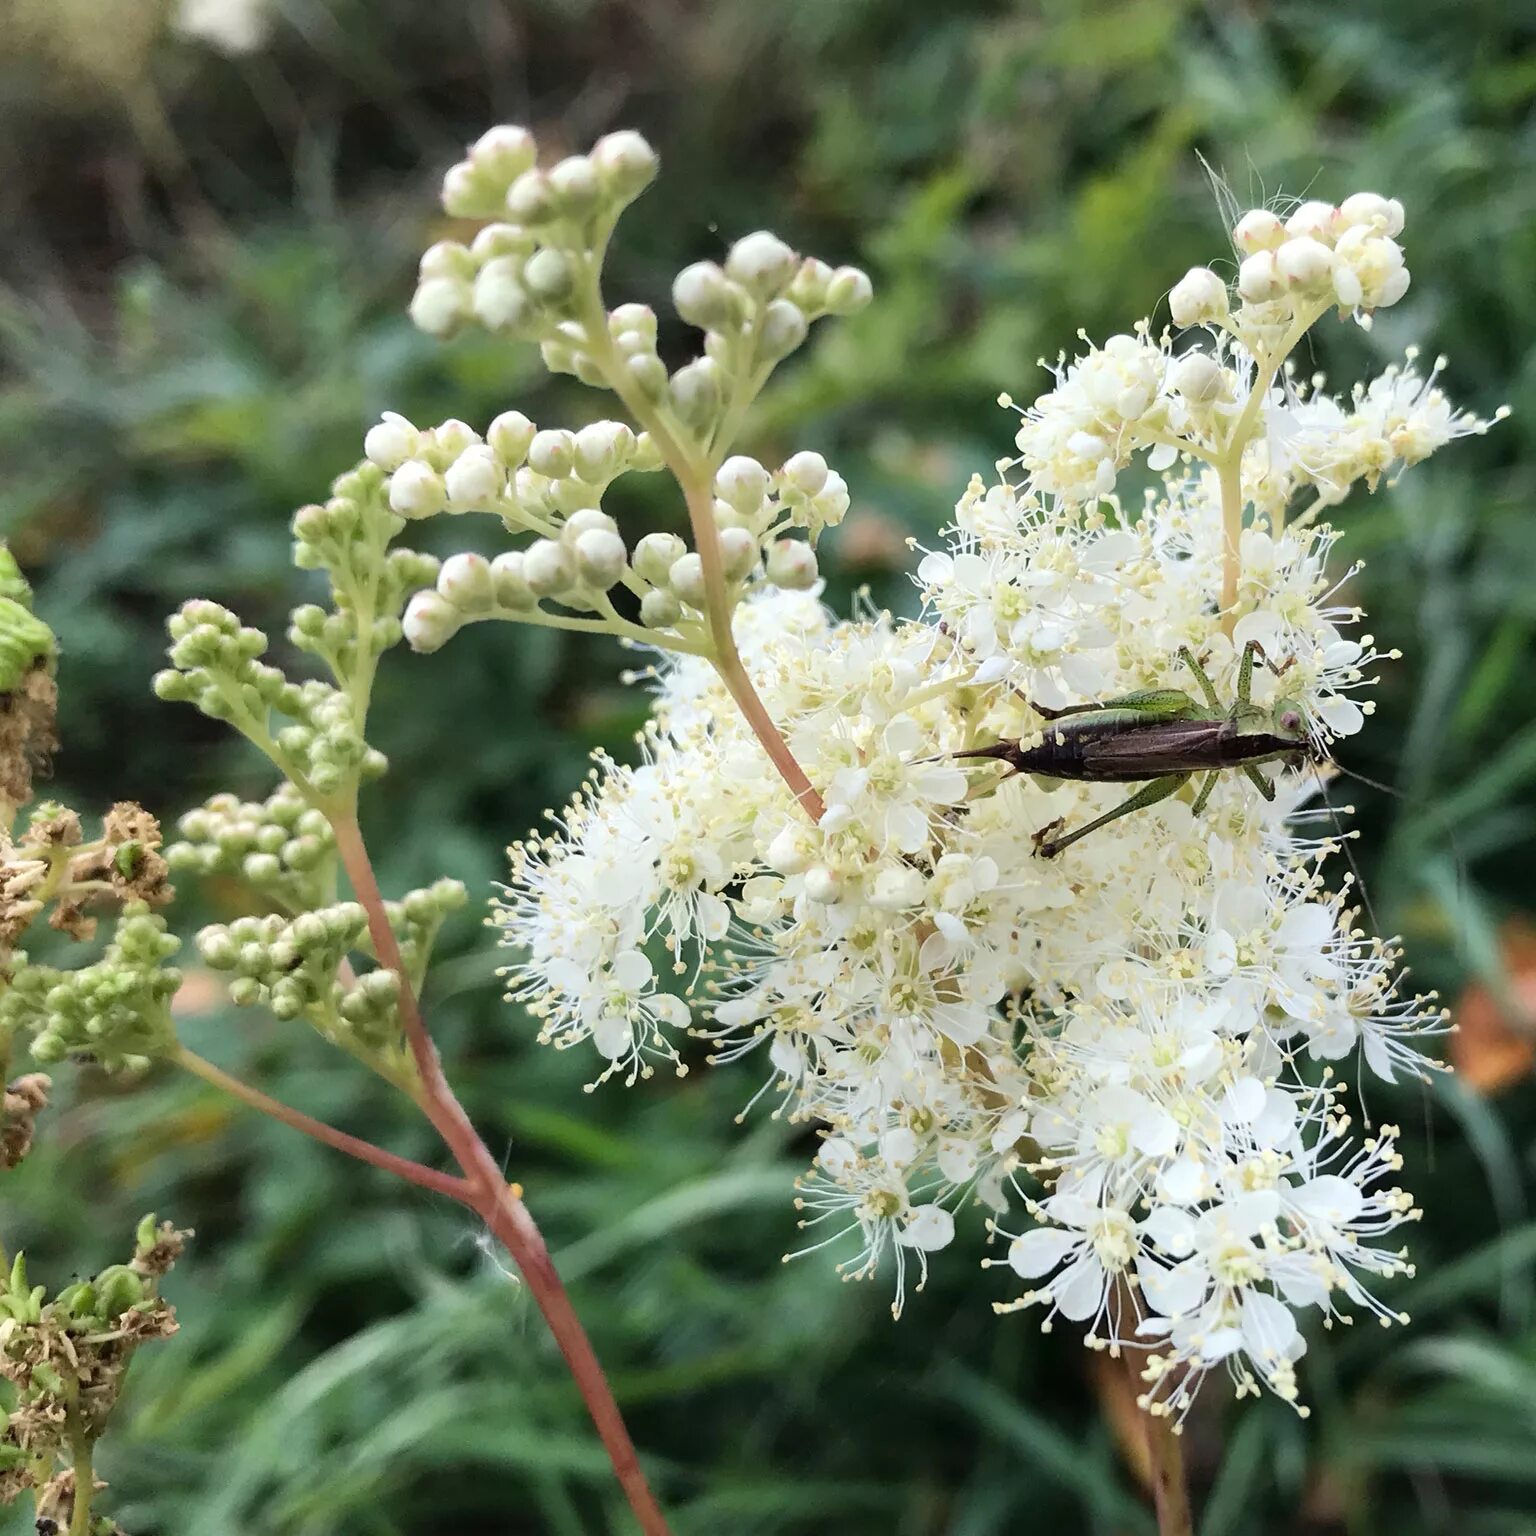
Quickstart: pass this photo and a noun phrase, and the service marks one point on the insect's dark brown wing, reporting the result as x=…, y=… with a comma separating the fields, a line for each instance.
x=1149, y=751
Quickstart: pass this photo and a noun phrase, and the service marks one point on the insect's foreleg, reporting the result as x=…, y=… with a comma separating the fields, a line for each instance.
x=1245, y=673
x=1259, y=782
x=1205, y=792
x=1148, y=794
x=1207, y=687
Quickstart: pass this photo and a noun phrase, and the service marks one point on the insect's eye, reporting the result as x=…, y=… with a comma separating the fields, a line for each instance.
x=1290, y=720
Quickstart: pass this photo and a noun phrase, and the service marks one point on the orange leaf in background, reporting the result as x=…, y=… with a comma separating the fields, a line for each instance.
x=1495, y=1042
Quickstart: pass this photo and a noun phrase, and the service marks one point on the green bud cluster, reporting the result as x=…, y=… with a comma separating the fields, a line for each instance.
x=66, y=1358
x=216, y=665
x=292, y=965
x=115, y=1013
x=282, y=846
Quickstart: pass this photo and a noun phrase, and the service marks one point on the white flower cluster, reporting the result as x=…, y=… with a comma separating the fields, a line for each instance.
x=1124, y=1051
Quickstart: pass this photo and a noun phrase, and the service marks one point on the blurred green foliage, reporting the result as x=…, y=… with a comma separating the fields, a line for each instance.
x=206, y=262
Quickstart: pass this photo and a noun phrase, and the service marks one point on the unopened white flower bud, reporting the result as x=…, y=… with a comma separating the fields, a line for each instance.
x=465, y=581
x=703, y=297
x=1198, y=298
x=655, y=555
x=1258, y=230
x=509, y=437
x=660, y=609
x=1384, y=214
x=574, y=183
x=1304, y=263
x=446, y=258
x=1198, y=377
x=429, y=622
x=585, y=520
x=686, y=578
x=1313, y=220
x=738, y=552
x=512, y=589
x=696, y=391
x=548, y=568
x=805, y=472
x=791, y=564
x=625, y=163
x=761, y=263
x=602, y=449
x=417, y=490
x=503, y=152
x=531, y=199
x=446, y=441
x=549, y=275
x=552, y=453
x=822, y=884
x=830, y=504
x=743, y=482
x=790, y=851
x=1257, y=280
x=391, y=442
x=440, y=305
x=601, y=558
x=501, y=302
x=849, y=291
x=475, y=479
x=782, y=328
x=809, y=286
x=897, y=888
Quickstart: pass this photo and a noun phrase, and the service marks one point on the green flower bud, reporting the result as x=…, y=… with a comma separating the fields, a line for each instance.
x=655, y=555
x=549, y=275
x=660, y=609
x=625, y=163
x=849, y=291
x=762, y=264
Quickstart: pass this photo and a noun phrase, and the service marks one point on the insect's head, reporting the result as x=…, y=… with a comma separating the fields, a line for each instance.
x=1288, y=720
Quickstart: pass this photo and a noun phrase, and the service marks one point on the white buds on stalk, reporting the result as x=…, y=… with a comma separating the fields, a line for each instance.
x=549, y=275
x=1257, y=279
x=548, y=569
x=1199, y=378
x=1258, y=230
x=1198, y=298
x=601, y=558
x=625, y=163
x=476, y=479
x=660, y=609
x=849, y=291
x=417, y=490
x=791, y=564
x=762, y=264
x=440, y=306
x=697, y=391
x=512, y=589
x=655, y=555
x=742, y=482
x=1313, y=220
x=552, y=453
x=601, y=450
x=686, y=579
x=704, y=297
x=1305, y=263
x=509, y=437
x=391, y=442
x=804, y=474
x=430, y=621
x=738, y=553
x=575, y=186
x=782, y=328
x=501, y=303
x=1382, y=215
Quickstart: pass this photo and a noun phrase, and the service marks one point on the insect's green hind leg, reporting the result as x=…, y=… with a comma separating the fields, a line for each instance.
x=1207, y=687
x=1205, y=792
x=1259, y=782
x=1149, y=794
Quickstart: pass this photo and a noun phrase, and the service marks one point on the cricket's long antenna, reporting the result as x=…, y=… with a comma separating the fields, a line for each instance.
x=1345, y=839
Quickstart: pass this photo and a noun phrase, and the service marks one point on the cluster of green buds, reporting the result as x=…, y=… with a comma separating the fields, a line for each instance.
x=281, y=846
x=297, y=967
x=28, y=697
x=114, y=1013
x=66, y=1357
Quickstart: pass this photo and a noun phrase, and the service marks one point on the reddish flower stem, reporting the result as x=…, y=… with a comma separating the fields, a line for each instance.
x=488, y=1194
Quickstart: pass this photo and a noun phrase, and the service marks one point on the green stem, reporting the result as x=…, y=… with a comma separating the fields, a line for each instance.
x=85, y=1477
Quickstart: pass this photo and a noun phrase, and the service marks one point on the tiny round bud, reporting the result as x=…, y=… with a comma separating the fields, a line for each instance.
x=548, y=569
x=742, y=482
x=549, y=275
x=503, y=152
x=1198, y=298
x=500, y=300
x=585, y=520
x=601, y=450
x=696, y=391
x=808, y=289
x=430, y=621
x=782, y=328
x=1385, y=214
x=791, y=564
x=1198, y=377
x=660, y=609
x=390, y=443
x=512, y=589
x=761, y=263
x=822, y=884
x=1257, y=280
x=1313, y=221
x=805, y=473
x=789, y=852
x=531, y=199
x=552, y=453
x=897, y=888
x=1304, y=263
x=574, y=184
x=625, y=163
x=703, y=297
x=465, y=580
x=655, y=555
x=446, y=258
x=439, y=306
x=509, y=437
x=475, y=479
x=686, y=579
x=738, y=553
x=849, y=291
x=1258, y=230
x=416, y=490
x=601, y=558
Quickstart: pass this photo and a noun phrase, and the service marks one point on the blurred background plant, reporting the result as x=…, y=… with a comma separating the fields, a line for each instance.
x=211, y=216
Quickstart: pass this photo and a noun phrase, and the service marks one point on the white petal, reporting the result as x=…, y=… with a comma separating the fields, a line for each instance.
x=1079, y=1289
x=1039, y=1252
x=1330, y=1198
x=632, y=971
x=1176, y=1291
x=1269, y=1328
x=930, y=1228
